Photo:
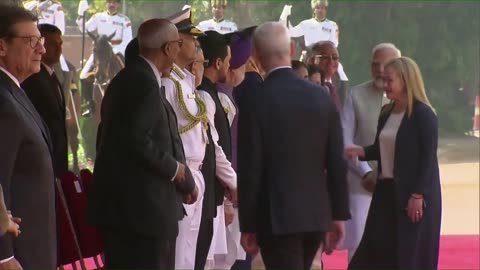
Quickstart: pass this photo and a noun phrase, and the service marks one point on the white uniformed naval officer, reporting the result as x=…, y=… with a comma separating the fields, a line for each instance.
x=218, y=22
x=50, y=12
x=316, y=29
x=192, y=119
x=106, y=23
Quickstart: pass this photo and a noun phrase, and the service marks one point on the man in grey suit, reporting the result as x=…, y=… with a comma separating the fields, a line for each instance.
x=26, y=168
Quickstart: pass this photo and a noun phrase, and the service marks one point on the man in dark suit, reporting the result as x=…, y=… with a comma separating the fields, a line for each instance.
x=139, y=175
x=46, y=94
x=286, y=202
x=26, y=168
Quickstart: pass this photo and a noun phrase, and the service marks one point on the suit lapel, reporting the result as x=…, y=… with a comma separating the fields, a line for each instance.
x=171, y=117
x=21, y=98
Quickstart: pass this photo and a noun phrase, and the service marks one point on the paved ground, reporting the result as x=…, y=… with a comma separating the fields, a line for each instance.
x=459, y=170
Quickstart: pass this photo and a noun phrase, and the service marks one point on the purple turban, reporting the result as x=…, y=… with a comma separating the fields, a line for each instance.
x=241, y=47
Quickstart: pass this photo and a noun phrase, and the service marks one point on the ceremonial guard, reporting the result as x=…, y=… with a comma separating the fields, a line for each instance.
x=193, y=126
x=316, y=29
x=218, y=22
x=50, y=12
x=104, y=23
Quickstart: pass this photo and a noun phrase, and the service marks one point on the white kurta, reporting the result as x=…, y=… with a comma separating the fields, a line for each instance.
x=105, y=24
x=224, y=251
x=359, y=120
x=222, y=26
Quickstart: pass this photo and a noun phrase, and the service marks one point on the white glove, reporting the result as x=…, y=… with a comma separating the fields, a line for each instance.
x=186, y=7
x=82, y=7
x=287, y=10
x=44, y=5
x=30, y=5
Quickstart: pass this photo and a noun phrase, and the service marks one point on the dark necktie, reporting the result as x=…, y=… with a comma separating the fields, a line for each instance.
x=333, y=94
x=162, y=92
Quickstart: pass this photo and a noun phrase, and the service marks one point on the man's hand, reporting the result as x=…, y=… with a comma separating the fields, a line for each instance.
x=192, y=197
x=12, y=264
x=13, y=225
x=353, y=151
x=229, y=212
x=180, y=177
x=335, y=238
x=369, y=181
x=249, y=243
x=232, y=196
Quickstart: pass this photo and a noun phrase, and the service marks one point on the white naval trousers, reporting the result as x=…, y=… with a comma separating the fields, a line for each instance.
x=234, y=249
x=189, y=226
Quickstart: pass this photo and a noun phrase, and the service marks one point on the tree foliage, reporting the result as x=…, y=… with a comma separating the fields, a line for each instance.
x=442, y=36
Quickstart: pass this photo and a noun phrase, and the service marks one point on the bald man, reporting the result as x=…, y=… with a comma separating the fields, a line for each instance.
x=140, y=175
x=286, y=202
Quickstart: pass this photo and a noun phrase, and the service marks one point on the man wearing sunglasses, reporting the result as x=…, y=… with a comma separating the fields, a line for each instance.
x=326, y=58
x=141, y=176
x=26, y=168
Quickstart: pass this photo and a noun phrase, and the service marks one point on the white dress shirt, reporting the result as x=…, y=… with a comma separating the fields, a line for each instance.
x=387, y=139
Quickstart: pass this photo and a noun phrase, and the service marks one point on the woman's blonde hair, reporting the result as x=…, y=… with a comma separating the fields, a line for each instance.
x=411, y=76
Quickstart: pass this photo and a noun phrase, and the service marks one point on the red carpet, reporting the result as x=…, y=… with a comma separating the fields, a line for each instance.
x=456, y=252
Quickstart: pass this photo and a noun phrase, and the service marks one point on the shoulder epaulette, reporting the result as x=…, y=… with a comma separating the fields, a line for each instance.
x=178, y=72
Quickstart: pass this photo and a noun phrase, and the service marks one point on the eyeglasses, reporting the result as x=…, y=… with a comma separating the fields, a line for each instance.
x=33, y=41
x=323, y=57
x=204, y=62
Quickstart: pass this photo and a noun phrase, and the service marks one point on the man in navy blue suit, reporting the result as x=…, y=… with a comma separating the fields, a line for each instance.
x=287, y=204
